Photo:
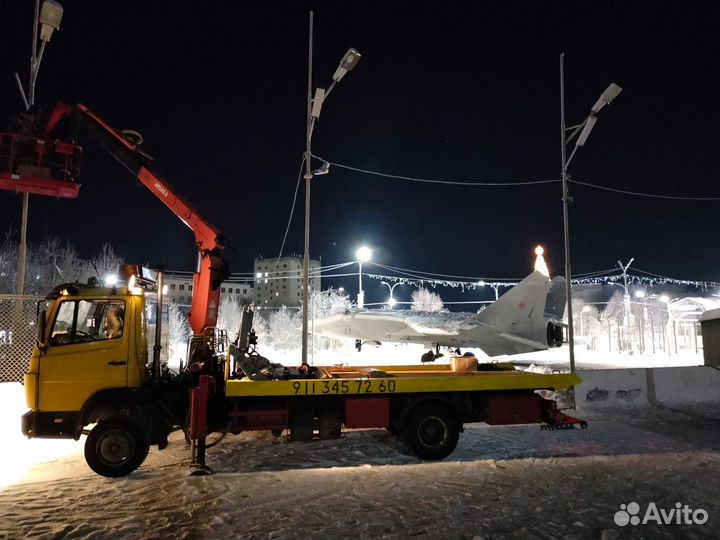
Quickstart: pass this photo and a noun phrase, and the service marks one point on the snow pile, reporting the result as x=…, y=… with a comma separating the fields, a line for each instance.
x=18, y=454
x=511, y=482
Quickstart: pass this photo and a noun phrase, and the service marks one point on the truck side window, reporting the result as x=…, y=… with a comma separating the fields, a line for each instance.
x=82, y=321
x=62, y=329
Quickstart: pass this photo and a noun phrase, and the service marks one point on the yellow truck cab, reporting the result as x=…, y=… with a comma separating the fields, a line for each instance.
x=90, y=365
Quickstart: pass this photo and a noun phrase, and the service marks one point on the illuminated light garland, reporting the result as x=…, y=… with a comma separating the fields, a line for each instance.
x=422, y=282
x=595, y=280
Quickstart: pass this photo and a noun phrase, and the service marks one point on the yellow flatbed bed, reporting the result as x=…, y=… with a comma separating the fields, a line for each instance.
x=384, y=380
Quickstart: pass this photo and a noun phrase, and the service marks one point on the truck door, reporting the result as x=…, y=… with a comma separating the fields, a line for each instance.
x=87, y=351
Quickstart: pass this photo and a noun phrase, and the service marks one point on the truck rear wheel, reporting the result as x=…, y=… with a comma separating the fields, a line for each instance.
x=116, y=448
x=432, y=431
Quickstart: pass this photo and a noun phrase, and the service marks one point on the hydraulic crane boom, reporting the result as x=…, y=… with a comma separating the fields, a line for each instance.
x=209, y=241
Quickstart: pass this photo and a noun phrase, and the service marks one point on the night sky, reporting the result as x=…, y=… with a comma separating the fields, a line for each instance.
x=449, y=90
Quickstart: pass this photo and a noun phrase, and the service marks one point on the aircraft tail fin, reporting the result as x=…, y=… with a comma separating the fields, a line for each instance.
x=526, y=300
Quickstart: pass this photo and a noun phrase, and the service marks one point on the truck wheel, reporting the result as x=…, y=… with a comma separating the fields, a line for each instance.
x=302, y=424
x=330, y=426
x=116, y=448
x=432, y=431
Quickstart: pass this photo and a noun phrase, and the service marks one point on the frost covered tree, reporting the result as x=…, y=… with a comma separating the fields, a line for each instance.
x=178, y=334
x=329, y=302
x=618, y=321
x=614, y=308
x=8, y=264
x=52, y=262
x=106, y=262
x=424, y=300
x=324, y=304
x=284, y=329
x=229, y=316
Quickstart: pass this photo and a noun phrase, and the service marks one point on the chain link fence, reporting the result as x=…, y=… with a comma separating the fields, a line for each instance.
x=17, y=335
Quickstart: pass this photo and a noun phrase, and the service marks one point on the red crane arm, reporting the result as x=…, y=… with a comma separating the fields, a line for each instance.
x=209, y=241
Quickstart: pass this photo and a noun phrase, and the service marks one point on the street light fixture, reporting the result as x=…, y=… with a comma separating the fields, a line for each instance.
x=314, y=107
x=583, y=130
x=363, y=254
x=391, y=301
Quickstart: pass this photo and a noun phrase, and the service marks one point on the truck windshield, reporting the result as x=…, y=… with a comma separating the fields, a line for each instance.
x=81, y=321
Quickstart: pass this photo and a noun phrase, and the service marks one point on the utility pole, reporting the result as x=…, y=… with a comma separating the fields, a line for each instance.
x=582, y=132
x=626, y=298
x=308, y=177
x=566, y=199
x=50, y=18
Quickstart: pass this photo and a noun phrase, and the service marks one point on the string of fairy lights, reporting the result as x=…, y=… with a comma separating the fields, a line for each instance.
x=420, y=278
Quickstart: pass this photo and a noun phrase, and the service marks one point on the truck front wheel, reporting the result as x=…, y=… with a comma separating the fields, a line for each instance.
x=116, y=448
x=432, y=431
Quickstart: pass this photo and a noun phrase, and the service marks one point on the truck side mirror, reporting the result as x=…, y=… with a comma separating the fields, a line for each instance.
x=41, y=328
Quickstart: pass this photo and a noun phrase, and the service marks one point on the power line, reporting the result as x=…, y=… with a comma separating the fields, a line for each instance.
x=513, y=184
x=639, y=194
x=292, y=209
x=434, y=181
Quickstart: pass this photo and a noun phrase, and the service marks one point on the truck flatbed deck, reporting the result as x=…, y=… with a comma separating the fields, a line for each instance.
x=364, y=380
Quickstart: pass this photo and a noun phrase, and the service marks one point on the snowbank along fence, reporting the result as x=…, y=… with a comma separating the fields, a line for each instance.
x=17, y=335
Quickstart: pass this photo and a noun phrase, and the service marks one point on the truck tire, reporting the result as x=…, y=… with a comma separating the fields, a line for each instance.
x=329, y=424
x=116, y=447
x=432, y=431
x=302, y=424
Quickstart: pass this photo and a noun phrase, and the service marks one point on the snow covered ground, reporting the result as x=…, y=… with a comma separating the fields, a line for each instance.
x=504, y=482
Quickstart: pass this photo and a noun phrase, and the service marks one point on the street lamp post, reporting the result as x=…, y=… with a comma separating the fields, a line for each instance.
x=582, y=132
x=640, y=295
x=391, y=301
x=665, y=299
x=362, y=255
x=348, y=62
x=49, y=19
x=493, y=286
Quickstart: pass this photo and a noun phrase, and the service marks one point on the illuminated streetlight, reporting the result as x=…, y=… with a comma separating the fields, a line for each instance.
x=582, y=129
x=391, y=301
x=49, y=18
x=111, y=280
x=362, y=255
x=314, y=106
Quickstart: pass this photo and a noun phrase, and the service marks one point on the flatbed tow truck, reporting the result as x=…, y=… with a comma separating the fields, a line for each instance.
x=91, y=372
